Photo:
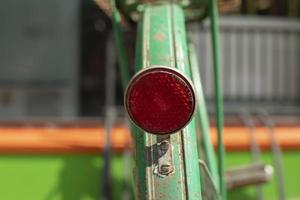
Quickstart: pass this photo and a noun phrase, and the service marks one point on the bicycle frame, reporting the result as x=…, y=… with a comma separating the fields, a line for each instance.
x=164, y=43
x=167, y=167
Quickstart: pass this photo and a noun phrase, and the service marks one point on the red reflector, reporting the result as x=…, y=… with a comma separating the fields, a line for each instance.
x=160, y=100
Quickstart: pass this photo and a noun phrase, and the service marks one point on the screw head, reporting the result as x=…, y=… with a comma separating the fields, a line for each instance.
x=166, y=169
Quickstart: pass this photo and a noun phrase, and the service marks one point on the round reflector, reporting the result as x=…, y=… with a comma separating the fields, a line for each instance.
x=160, y=100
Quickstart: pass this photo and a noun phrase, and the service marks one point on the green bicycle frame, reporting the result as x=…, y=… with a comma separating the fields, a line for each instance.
x=162, y=41
x=175, y=174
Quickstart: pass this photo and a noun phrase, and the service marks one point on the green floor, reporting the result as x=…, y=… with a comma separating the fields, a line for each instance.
x=77, y=177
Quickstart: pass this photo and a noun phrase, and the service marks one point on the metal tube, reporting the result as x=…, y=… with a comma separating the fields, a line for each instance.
x=202, y=117
x=276, y=153
x=119, y=40
x=218, y=92
x=174, y=174
x=255, y=150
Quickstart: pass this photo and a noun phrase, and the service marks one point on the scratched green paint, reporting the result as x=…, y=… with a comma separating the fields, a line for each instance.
x=159, y=47
x=163, y=42
x=192, y=171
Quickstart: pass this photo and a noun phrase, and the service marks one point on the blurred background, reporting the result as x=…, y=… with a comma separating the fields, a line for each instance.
x=59, y=103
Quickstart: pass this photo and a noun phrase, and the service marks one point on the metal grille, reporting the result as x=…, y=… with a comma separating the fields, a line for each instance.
x=260, y=58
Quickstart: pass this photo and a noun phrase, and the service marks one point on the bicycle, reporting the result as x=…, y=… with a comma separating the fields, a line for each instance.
x=165, y=102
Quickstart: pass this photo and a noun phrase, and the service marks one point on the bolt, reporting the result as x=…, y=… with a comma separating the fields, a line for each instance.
x=166, y=169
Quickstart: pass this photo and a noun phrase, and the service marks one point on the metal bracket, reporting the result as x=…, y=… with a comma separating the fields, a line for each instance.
x=165, y=166
x=210, y=189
